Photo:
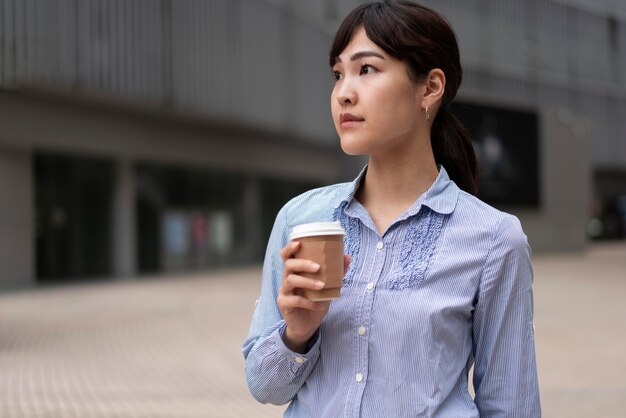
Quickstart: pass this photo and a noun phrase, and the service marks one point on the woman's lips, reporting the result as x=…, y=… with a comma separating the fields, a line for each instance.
x=350, y=124
x=346, y=120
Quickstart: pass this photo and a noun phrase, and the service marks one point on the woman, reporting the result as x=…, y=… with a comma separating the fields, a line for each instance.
x=437, y=281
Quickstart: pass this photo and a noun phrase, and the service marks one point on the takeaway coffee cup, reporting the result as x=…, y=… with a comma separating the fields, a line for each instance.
x=321, y=242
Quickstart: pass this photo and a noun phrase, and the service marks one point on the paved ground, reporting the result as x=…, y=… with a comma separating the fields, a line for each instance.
x=169, y=347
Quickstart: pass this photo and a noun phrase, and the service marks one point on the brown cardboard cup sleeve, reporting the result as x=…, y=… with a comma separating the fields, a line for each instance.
x=322, y=242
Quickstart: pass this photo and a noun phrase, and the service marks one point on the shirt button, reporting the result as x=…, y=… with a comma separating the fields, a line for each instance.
x=362, y=330
x=299, y=360
x=380, y=245
x=370, y=286
x=359, y=377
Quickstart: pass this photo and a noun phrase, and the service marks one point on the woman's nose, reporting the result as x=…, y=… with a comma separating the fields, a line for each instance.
x=346, y=93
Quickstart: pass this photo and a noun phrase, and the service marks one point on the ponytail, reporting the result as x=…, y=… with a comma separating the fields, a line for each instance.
x=453, y=149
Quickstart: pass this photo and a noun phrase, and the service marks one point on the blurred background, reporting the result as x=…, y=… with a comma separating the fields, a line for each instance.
x=143, y=138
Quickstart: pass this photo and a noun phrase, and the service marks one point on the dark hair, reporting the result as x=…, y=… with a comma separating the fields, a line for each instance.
x=424, y=40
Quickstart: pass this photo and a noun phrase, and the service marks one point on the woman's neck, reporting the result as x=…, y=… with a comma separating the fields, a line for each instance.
x=392, y=184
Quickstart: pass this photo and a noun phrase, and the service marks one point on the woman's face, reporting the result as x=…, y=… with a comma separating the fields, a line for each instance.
x=375, y=106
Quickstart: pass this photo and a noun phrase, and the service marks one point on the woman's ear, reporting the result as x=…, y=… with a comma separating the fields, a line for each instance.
x=434, y=87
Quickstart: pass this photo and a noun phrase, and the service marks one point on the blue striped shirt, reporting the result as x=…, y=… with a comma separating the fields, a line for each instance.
x=446, y=287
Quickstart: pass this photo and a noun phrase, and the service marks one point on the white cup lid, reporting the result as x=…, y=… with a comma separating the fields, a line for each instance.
x=315, y=229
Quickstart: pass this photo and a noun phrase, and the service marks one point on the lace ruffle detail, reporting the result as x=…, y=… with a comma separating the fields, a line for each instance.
x=417, y=248
x=351, y=241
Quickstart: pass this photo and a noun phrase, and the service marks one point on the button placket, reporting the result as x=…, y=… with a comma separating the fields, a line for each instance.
x=379, y=255
x=366, y=317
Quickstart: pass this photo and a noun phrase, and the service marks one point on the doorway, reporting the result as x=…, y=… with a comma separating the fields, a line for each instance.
x=73, y=217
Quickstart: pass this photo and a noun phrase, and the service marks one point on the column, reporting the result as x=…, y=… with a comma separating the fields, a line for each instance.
x=17, y=239
x=252, y=211
x=124, y=221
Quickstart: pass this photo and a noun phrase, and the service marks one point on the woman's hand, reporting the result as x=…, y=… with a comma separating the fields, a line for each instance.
x=302, y=316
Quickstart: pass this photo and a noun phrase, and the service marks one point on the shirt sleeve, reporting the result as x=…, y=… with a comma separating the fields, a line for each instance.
x=274, y=373
x=505, y=370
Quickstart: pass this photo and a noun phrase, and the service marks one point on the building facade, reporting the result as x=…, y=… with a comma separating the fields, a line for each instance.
x=146, y=136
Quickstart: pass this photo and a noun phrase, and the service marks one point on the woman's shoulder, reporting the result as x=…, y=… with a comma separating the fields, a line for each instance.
x=315, y=205
x=500, y=225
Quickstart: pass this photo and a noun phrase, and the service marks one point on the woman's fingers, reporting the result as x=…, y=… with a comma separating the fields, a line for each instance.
x=289, y=250
x=294, y=281
x=289, y=302
x=292, y=278
x=299, y=265
x=346, y=262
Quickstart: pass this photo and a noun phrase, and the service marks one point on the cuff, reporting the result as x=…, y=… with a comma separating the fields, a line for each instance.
x=297, y=360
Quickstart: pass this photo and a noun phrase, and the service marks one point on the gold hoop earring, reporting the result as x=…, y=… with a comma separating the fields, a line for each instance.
x=427, y=115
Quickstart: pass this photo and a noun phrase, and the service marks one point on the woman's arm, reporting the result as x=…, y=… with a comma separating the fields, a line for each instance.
x=505, y=370
x=274, y=372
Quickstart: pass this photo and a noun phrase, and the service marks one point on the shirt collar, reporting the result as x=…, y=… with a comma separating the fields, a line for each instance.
x=441, y=197
x=346, y=195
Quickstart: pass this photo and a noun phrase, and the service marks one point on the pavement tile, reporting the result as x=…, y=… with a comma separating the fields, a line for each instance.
x=170, y=346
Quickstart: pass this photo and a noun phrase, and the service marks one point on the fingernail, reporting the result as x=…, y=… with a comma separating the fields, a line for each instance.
x=315, y=266
x=319, y=284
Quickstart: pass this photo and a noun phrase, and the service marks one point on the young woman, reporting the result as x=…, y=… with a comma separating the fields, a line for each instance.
x=437, y=281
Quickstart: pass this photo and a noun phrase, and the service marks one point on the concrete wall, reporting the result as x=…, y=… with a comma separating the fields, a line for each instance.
x=560, y=221
x=246, y=61
x=45, y=124
x=17, y=219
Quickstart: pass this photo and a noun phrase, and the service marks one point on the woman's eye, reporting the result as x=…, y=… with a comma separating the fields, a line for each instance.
x=367, y=69
x=336, y=75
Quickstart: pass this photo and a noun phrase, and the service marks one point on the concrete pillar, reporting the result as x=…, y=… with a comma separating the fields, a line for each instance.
x=17, y=261
x=561, y=221
x=252, y=212
x=124, y=223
